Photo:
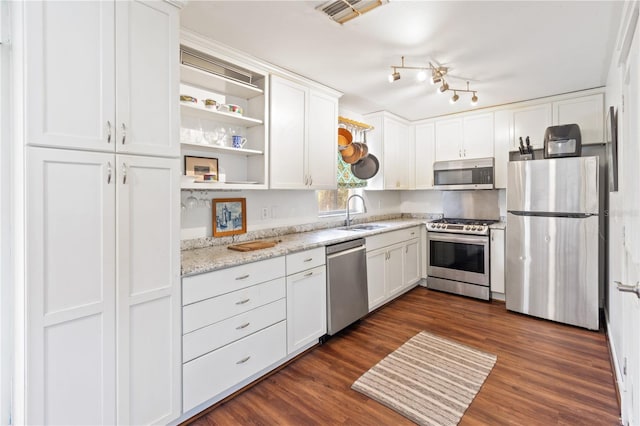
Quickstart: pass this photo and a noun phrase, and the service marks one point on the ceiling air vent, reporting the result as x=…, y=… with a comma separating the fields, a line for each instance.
x=342, y=11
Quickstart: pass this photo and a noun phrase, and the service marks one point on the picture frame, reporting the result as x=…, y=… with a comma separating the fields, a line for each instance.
x=612, y=147
x=198, y=167
x=229, y=216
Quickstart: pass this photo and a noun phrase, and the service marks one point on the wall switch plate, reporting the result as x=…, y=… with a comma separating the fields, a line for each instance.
x=264, y=213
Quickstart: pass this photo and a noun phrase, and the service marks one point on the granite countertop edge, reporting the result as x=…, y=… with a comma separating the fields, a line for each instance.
x=207, y=259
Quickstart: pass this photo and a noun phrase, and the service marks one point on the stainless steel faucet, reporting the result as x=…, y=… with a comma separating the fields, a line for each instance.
x=363, y=205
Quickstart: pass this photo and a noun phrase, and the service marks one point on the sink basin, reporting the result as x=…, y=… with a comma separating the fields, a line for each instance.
x=363, y=227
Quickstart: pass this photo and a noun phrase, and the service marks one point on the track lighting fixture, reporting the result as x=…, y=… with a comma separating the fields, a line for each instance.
x=437, y=77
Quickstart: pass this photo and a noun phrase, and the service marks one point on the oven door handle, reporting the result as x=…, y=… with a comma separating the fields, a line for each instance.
x=458, y=238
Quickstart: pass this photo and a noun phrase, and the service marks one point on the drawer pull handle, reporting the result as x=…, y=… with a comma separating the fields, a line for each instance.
x=245, y=325
x=413, y=233
x=243, y=360
x=242, y=302
x=309, y=259
x=243, y=277
x=308, y=274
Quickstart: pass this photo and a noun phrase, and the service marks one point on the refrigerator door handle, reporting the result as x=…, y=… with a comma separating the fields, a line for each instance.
x=551, y=214
x=629, y=288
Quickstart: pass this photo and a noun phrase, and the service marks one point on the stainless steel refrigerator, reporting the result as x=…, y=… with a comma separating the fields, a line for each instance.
x=553, y=239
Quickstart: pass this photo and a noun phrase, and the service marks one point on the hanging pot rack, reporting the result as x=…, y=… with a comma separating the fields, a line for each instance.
x=358, y=124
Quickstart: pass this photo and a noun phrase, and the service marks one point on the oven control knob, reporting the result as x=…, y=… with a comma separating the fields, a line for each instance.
x=467, y=227
x=475, y=228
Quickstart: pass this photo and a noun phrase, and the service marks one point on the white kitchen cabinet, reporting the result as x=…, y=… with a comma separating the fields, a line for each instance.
x=306, y=308
x=424, y=155
x=391, y=142
x=104, y=290
x=234, y=325
x=585, y=111
x=303, y=136
x=449, y=134
x=148, y=289
x=71, y=293
x=465, y=137
x=411, y=262
x=393, y=264
x=478, y=136
x=497, y=256
x=306, y=298
x=102, y=76
x=502, y=145
x=530, y=121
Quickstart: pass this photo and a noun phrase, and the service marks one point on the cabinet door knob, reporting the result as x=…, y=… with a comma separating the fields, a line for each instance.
x=308, y=274
x=242, y=277
x=628, y=288
x=124, y=133
x=108, y=131
x=310, y=180
x=308, y=259
x=243, y=301
x=108, y=172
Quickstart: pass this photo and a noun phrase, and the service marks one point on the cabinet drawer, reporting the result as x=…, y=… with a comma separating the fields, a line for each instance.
x=304, y=260
x=204, y=286
x=224, y=332
x=393, y=237
x=216, y=309
x=207, y=376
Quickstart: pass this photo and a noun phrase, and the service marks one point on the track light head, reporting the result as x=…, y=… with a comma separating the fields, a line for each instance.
x=454, y=98
x=394, y=76
x=444, y=87
x=474, y=99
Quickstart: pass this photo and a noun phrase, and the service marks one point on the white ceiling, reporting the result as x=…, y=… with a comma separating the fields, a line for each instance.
x=509, y=50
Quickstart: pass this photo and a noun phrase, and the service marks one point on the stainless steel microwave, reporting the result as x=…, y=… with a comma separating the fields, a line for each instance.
x=464, y=174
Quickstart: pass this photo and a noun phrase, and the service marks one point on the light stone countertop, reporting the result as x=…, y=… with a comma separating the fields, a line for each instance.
x=207, y=259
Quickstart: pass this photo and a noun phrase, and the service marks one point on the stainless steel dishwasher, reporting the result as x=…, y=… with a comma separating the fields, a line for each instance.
x=347, y=295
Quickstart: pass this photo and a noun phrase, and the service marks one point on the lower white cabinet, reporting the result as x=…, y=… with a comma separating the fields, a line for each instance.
x=411, y=262
x=306, y=299
x=234, y=326
x=393, y=264
x=497, y=253
x=213, y=373
x=103, y=302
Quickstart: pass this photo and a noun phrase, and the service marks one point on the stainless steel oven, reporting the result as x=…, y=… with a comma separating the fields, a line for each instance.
x=459, y=262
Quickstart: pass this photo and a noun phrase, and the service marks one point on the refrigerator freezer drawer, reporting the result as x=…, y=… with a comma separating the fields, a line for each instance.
x=560, y=185
x=552, y=268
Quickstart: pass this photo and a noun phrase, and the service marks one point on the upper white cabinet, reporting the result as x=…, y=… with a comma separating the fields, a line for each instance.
x=424, y=155
x=501, y=148
x=470, y=136
x=303, y=140
x=587, y=112
x=530, y=121
x=207, y=131
x=449, y=135
x=392, y=143
x=102, y=76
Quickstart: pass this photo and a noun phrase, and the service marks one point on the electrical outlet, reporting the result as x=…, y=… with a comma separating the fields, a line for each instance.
x=264, y=213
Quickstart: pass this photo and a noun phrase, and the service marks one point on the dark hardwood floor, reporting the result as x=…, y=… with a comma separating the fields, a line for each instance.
x=546, y=373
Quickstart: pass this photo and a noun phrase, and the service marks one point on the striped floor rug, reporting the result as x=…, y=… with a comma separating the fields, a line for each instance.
x=429, y=379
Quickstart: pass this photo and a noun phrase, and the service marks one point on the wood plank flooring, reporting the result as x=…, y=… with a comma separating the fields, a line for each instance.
x=546, y=373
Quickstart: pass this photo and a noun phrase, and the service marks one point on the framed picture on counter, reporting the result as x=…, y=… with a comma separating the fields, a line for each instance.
x=229, y=216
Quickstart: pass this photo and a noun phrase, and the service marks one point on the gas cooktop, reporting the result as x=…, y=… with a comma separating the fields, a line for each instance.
x=461, y=226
